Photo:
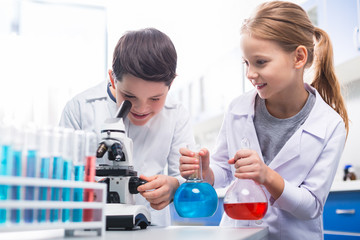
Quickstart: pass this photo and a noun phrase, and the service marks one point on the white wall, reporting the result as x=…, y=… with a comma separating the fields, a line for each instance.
x=352, y=146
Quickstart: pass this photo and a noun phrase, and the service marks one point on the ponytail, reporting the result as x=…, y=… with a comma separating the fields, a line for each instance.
x=325, y=80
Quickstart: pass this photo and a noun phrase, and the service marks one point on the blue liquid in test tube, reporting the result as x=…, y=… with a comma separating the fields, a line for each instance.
x=79, y=171
x=30, y=190
x=6, y=163
x=17, y=171
x=44, y=155
x=31, y=166
x=68, y=139
x=57, y=170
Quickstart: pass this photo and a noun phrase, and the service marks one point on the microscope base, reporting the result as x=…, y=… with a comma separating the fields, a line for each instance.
x=126, y=216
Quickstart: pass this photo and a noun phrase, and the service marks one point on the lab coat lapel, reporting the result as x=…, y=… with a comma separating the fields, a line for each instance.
x=250, y=134
x=289, y=151
x=246, y=110
x=309, y=133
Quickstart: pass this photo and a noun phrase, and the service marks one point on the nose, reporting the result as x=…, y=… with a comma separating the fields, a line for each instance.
x=251, y=73
x=140, y=106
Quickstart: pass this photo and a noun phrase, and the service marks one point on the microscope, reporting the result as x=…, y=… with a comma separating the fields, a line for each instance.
x=120, y=177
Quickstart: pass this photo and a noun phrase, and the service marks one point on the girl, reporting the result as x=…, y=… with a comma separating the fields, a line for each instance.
x=296, y=131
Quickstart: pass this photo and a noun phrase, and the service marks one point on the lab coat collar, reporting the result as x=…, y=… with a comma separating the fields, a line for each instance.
x=246, y=107
x=311, y=125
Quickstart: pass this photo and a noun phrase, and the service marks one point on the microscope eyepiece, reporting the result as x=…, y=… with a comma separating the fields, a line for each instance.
x=124, y=109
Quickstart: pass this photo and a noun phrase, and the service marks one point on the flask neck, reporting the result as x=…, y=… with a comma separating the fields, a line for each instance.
x=197, y=175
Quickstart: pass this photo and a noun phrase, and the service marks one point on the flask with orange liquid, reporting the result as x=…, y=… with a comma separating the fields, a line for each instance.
x=245, y=200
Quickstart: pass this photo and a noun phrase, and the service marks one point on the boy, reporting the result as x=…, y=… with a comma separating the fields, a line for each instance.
x=143, y=69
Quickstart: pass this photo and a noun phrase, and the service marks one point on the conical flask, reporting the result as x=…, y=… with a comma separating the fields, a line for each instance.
x=244, y=199
x=195, y=198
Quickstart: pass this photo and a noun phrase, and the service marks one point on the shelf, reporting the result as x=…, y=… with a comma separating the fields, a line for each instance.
x=96, y=223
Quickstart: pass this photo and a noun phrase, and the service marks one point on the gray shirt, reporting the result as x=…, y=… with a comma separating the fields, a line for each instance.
x=273, y=132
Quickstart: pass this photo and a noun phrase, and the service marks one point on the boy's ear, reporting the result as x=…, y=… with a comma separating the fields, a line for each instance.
x=112, y=80
x=301, y=55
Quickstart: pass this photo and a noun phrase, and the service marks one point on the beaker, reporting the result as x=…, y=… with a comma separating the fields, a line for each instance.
x=244, y=199
x=195, y=198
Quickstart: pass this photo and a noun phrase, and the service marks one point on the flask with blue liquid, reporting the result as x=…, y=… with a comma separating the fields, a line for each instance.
x=195, y=198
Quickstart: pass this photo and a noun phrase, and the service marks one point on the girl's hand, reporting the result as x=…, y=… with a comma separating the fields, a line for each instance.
x=248, y=165
x=159, y=190
x=189, y=164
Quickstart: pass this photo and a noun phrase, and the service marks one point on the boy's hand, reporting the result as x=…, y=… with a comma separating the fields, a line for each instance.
x=159, y=190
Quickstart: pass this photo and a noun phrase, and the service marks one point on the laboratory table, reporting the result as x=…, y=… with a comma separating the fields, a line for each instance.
x=154, y=233
x=191, y=233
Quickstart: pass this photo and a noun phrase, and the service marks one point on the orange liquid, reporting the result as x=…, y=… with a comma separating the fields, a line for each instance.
x=246, y=211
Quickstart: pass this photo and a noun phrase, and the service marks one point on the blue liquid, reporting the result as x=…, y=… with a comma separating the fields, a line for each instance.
x=55, y=192
x=195, y=199
x=5, y=170
x=43, y=191
x=79, y=172
x=66, y=191
x=16, y=190
x=30, y=191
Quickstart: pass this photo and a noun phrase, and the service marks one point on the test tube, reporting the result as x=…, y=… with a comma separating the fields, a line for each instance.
x=6, y=163
x=79, y=170
x=31, y=151
x=44, y=155
x=18, y=145
x=90, y=152
x=57, y=169
x=67, y=150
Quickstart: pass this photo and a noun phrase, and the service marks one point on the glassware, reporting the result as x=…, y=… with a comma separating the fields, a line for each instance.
x=195, y=198
x=244, y=199
x=79, y=171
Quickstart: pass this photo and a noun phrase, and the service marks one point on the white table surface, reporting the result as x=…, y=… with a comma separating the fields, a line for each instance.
x=153, y=233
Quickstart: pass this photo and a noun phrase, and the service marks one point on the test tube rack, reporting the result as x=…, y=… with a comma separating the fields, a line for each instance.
x=98, y=224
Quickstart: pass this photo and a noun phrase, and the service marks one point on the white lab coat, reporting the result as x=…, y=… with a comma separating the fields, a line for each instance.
x=307, y=162
x=156, y=144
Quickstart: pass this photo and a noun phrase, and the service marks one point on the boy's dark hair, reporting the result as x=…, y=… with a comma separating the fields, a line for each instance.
x=148, y=54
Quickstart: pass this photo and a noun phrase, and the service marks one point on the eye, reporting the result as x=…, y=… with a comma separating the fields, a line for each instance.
x=128, y=96
x=155, y=99
x=260, y=62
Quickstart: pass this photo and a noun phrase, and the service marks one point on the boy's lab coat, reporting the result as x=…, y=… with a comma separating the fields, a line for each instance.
x=155, y=145
x=307, y=162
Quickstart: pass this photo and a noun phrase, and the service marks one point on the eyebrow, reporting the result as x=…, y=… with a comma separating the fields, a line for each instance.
x=129, y=93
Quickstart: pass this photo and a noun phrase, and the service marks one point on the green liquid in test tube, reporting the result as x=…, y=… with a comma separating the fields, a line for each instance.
x=79, y=171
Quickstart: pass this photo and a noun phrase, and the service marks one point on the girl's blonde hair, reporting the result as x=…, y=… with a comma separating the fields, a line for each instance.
x=289, y=25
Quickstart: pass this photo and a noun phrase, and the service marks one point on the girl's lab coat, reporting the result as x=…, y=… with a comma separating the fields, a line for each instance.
x=307, y=162
x=156, y=144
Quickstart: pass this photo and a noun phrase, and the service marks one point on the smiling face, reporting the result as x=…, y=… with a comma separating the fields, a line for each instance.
x=269, y=68
x=147, y=97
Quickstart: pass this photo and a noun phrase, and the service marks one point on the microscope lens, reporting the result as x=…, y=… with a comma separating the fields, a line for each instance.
x=117, y=152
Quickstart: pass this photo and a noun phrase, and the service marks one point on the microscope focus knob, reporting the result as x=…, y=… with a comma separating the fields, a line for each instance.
x=134, y=182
